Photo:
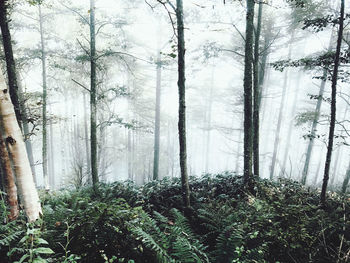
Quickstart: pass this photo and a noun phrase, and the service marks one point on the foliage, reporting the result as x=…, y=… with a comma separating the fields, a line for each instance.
x=281, y=222
x=171, y=240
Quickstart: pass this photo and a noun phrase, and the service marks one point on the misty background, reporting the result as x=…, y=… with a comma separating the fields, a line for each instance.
x=131, y=37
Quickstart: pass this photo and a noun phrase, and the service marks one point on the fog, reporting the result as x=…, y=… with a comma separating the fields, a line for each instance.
x=130, y=38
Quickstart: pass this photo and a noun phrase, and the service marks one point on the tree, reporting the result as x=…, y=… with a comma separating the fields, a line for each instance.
x=157, y=118
x=248, y=87
x=315, y=120
x=9, y=178
x=346, y=180
x=333, y=105
x=182, y=102
x=280, y=115
x=93, y=107
x=10, y=62
x=18, y=155
x=257, y=91
x=44, y=101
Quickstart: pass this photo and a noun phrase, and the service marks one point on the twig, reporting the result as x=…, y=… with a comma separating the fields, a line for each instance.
x=81, y=85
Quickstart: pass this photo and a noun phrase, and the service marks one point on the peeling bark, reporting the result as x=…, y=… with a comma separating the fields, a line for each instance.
x=18, y=155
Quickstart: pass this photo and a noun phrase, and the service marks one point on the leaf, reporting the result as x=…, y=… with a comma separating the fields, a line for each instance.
x=42, y=241
x=43, y=250
x=39, y=260
x=23, y=258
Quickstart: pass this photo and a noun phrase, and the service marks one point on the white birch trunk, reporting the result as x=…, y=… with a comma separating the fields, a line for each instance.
x=18, y=154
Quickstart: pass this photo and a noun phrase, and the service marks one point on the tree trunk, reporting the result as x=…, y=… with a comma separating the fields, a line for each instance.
x=157, y=118
x=338, y=154
x=317, y=172
x=10, y=62
x=93, y=107
x=315, y=121
x=182, y=103
x=9, y=180
x=346, y=180
x=18, y=155
x=52, y=158
x=44, y=102
x=280, y=115
x=26, y=134
x=290, y=127
x=264, y=56
x=208, y=122
x=86, y=134
x=333, y=106
x=248, y=87
x=256, y=125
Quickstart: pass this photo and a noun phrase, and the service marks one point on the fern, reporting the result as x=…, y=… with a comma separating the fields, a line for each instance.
x=10, y=233
x=149, y=242
x=229, y=243
x=170, y=240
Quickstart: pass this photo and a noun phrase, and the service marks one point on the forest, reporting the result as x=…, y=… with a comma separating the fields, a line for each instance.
x=174, y=131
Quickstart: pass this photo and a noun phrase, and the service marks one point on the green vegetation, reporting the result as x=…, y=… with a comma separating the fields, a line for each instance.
x=281, y=222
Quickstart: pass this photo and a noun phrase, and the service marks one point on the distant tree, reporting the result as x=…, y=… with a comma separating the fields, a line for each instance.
x=157, y=117
x=315, y=120
x=44, y=101
x=346, y=180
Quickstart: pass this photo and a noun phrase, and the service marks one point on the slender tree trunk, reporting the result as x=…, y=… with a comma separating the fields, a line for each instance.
x=346, y=180
x=86, y=135
x=333, y=105
x=129, y=154
x=264, y=56
x=182, y=103
x=26, y=134
x=315, y=120
x=10, y=62
x=18, y=155
x=52, y=158
x=209, y=115
x=9, y=180
x=248, y=87
x=93, y=106
x=257, y=95
x=317, y=172
x=280, y=115
x=157, y=118
x=44, y=102
x=338, y=154
x=290, y=127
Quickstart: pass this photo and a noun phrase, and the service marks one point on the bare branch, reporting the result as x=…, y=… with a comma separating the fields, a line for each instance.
x=81, y=85
x=81, y=45
x=76, y=12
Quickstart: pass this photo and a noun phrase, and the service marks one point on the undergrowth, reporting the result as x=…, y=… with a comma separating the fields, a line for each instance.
x=280, y=222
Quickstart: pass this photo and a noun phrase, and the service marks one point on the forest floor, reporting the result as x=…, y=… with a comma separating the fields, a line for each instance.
x=281, y=222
